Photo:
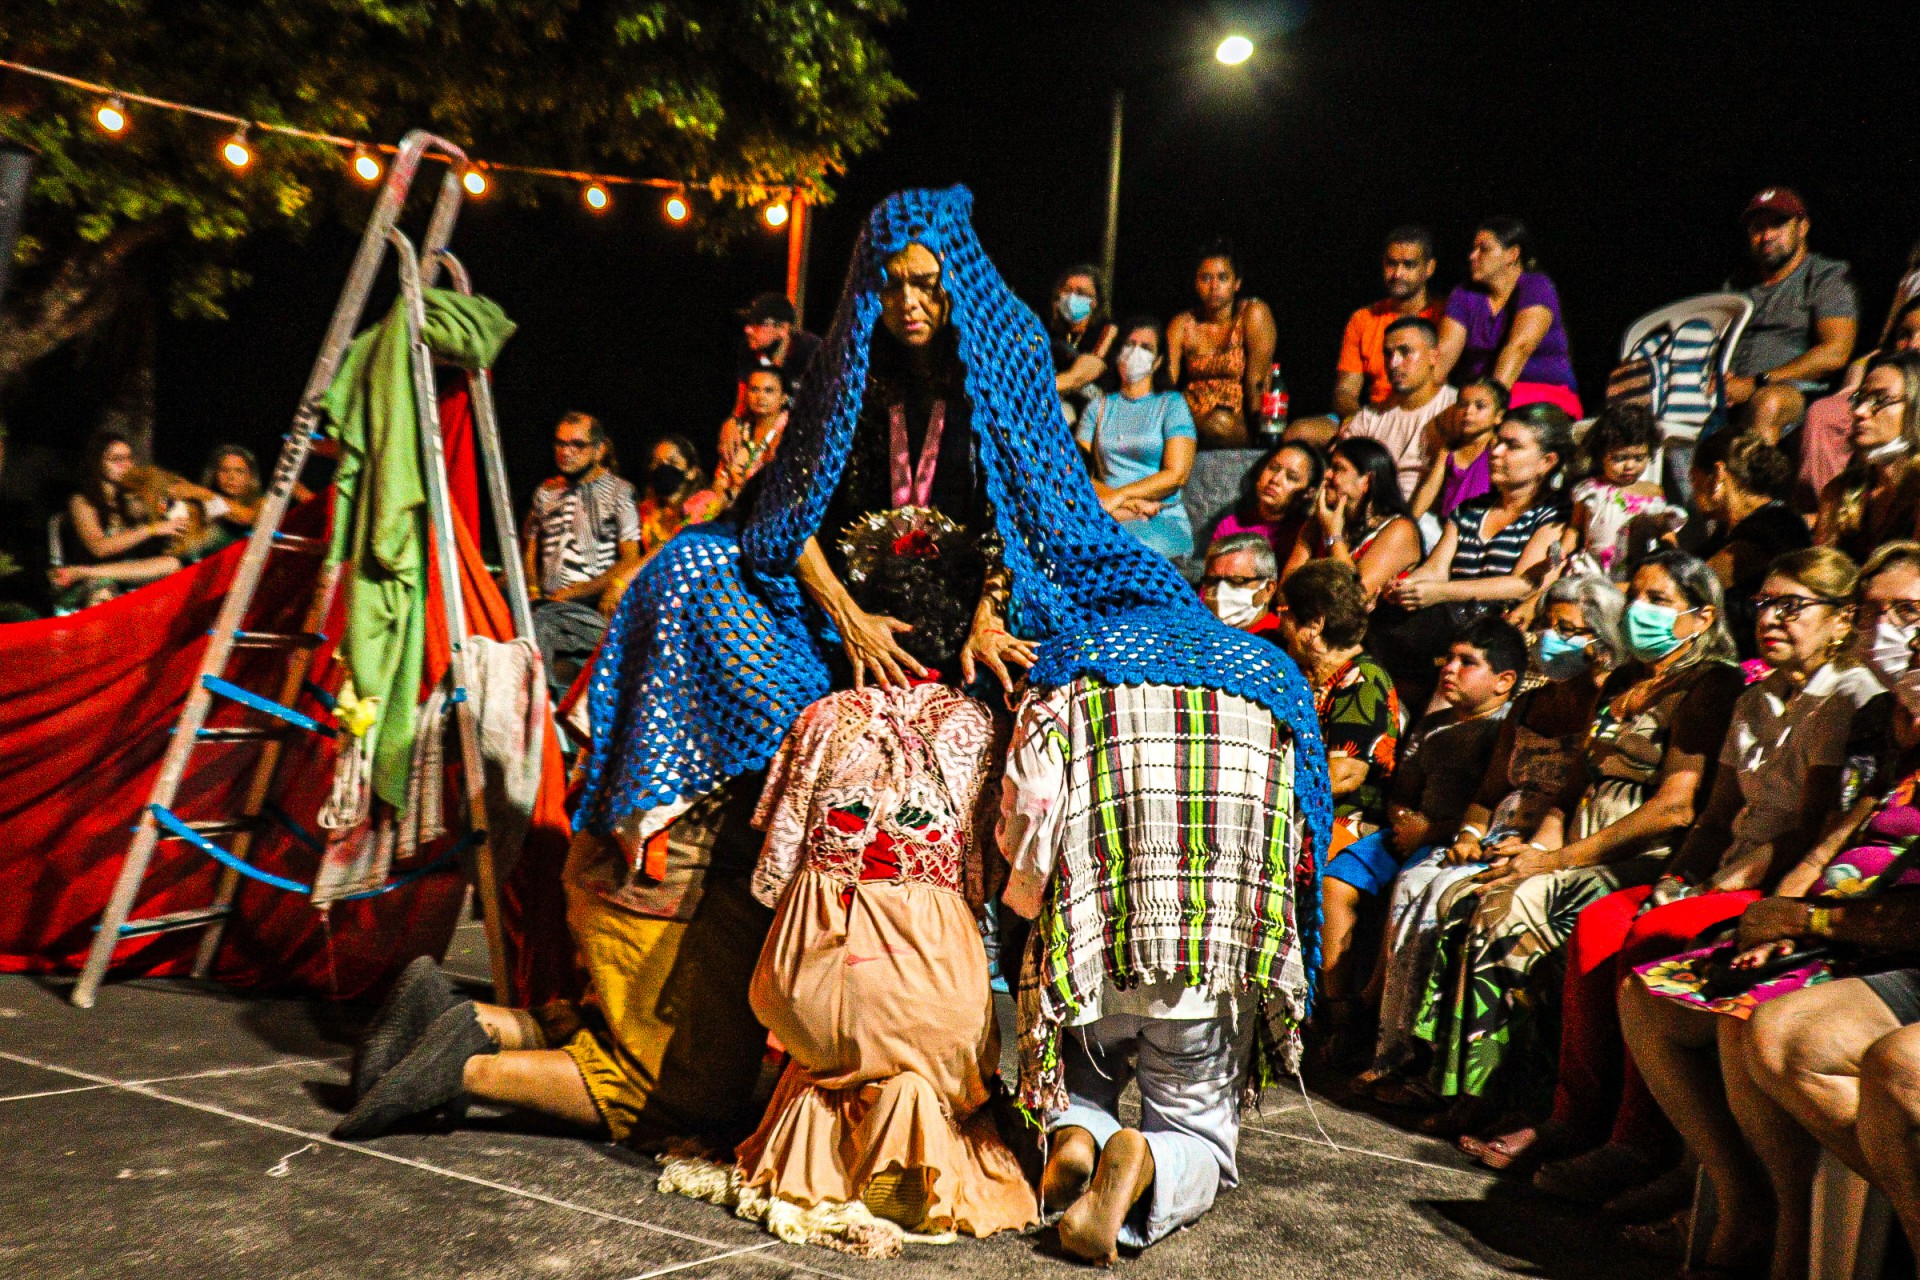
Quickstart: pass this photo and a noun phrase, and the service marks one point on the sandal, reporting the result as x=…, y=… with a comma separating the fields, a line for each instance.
x=1527, y=1145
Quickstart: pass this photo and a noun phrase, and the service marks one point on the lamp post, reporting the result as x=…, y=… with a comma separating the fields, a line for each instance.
x=1231, y=52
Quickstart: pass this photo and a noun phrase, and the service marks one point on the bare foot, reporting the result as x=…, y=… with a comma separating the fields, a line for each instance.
x=1068, y=1168
x=1090, y=1231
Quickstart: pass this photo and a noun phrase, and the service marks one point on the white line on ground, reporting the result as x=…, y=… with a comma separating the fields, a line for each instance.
x=361, y=1149
x=1313, y=1141
x=192, y=1075
x=701, y=1262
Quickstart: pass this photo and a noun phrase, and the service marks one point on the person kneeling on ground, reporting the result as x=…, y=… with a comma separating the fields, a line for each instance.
x=1156, y=837
x=874, y=977
x=667, y=947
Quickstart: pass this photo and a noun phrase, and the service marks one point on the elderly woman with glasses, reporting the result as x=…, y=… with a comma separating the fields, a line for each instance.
x=1876, y=498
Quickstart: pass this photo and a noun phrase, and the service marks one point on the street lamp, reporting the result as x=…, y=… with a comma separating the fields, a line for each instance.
x=1233, y=51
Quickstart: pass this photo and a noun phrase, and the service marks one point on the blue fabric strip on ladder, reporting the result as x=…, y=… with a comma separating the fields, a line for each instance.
x=248, y=698
x=172, y=822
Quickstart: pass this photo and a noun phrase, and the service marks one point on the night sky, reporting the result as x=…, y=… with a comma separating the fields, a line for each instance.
x=1628, y=138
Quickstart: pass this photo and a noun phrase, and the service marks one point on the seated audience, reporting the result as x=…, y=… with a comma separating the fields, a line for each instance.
x=1804, y=323
x=748, y=440
x=1406, y=266
x=1241, y=583
x=1140, y=970
x=1360, y=519
x=1534, y=759
x=1799, y=1042
x=1740, y=483
x=1322, y=628
x=676, y=495
x=1140, y=443
x=1823, y=436
x=1777, y=787
x=1505, y=322
x=771, y=338
x=233, y=477
x=1649, y=756
x=1405, y=422
x=1441, y=765
x=1220, y=354
x=1876, y=498
x=1277, y=499
x=127, y=524
x=1493, y=552
x=1616, y=513
x=1082, y=335
x=1462, y=468
x=582, y=539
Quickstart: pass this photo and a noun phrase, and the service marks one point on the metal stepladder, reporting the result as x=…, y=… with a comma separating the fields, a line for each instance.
x=158, y=822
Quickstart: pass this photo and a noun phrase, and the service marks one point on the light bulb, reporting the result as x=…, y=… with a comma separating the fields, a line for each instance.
x=366, y=166
x=112, y=115
x=596, y=197
x=1234, y=50
x=776, y=216
x=474, y=181
x=677, y=210
x=236, y=152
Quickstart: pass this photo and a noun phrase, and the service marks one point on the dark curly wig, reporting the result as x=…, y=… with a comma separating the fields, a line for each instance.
x=930, y=594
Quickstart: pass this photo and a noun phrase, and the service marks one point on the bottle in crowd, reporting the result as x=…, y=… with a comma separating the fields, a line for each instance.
x=1274, y=405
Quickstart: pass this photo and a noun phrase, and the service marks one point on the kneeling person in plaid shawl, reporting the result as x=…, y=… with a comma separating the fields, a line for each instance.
x=1157, y=842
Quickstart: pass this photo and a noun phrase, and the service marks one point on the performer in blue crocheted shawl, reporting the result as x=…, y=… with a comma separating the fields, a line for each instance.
x=933, y=390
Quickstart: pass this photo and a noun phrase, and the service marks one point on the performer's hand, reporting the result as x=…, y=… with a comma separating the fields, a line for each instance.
x=873, y=651
x=991, y=646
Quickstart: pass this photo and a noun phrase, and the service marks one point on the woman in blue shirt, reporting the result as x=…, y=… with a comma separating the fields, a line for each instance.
x=1140, y=443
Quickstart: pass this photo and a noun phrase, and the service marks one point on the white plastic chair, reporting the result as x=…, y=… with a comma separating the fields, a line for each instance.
x=1728, y=313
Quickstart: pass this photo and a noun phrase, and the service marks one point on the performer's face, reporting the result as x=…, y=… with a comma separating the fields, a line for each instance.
x=913, y=305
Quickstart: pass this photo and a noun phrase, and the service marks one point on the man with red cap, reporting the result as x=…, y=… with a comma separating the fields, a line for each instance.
x=1805, y=318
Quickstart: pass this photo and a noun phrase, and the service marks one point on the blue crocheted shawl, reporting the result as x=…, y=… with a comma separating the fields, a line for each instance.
x=714, y=651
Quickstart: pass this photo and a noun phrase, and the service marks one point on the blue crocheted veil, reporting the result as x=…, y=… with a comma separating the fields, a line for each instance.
x=714, y=651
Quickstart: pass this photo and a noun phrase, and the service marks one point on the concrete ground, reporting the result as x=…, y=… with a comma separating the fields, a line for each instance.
x=177, y=1130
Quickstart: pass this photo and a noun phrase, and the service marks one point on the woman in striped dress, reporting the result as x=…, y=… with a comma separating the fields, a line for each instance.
x=1493, y=552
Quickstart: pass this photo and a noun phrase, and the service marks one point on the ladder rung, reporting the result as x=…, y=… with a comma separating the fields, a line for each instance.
x=219, y=827
x=176, y=920
x=243, y=733
x=248, y=698
x=298, y=542
x=275, y=639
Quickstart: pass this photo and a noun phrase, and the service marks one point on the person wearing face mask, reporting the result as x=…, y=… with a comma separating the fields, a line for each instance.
x=1242, y=578
x=1876, y=498
x=1649, y=760
x=1778, y=785
x=1140, y=445
x=1817, y=1051
x=1081, y=336
x=1533, y=759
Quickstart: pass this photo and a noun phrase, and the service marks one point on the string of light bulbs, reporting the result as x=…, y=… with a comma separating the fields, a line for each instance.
x=113, y=117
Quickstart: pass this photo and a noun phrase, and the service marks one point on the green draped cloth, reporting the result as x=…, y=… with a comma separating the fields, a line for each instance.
x=380, y=510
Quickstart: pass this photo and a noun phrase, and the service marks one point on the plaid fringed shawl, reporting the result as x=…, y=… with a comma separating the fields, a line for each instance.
x=1158, y=830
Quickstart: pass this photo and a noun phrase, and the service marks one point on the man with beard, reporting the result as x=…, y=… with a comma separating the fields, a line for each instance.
x=1805, y=318
x=582, y=532
x=1406, y=265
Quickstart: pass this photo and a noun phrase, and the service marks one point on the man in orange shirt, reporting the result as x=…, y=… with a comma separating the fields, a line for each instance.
x=1406, y=263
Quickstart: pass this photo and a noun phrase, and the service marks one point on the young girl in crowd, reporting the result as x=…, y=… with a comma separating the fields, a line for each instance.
x=1614, y=505
x=1463, y=471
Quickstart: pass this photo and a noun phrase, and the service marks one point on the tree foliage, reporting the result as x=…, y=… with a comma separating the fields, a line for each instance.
x=767, y=92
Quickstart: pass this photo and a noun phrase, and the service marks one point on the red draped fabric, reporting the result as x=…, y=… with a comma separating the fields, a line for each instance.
x=86, y=706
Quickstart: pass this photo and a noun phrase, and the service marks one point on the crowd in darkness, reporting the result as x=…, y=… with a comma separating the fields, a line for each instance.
x=1622, y=716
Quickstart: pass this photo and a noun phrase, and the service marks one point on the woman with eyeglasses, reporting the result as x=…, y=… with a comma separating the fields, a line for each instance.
x=1753, y=1074
x=1648, y=760
x=1877, y=497
x=1776, y=788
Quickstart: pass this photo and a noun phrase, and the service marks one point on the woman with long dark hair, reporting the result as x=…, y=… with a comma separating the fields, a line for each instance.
x=1876, y=498
x=1360, y=517
x=122, y=533
x=1220, y=353
x=1277, y=498
x=1140, y=443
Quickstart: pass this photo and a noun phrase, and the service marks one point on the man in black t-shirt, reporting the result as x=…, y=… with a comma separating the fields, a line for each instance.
x=772, y=340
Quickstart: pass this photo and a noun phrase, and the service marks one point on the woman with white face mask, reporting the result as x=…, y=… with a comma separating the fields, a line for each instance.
x=1082, y=335
x=1878, y=495
x=1140, y=445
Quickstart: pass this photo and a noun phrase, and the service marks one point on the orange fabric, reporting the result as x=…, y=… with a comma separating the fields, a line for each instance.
x=1363, y=349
